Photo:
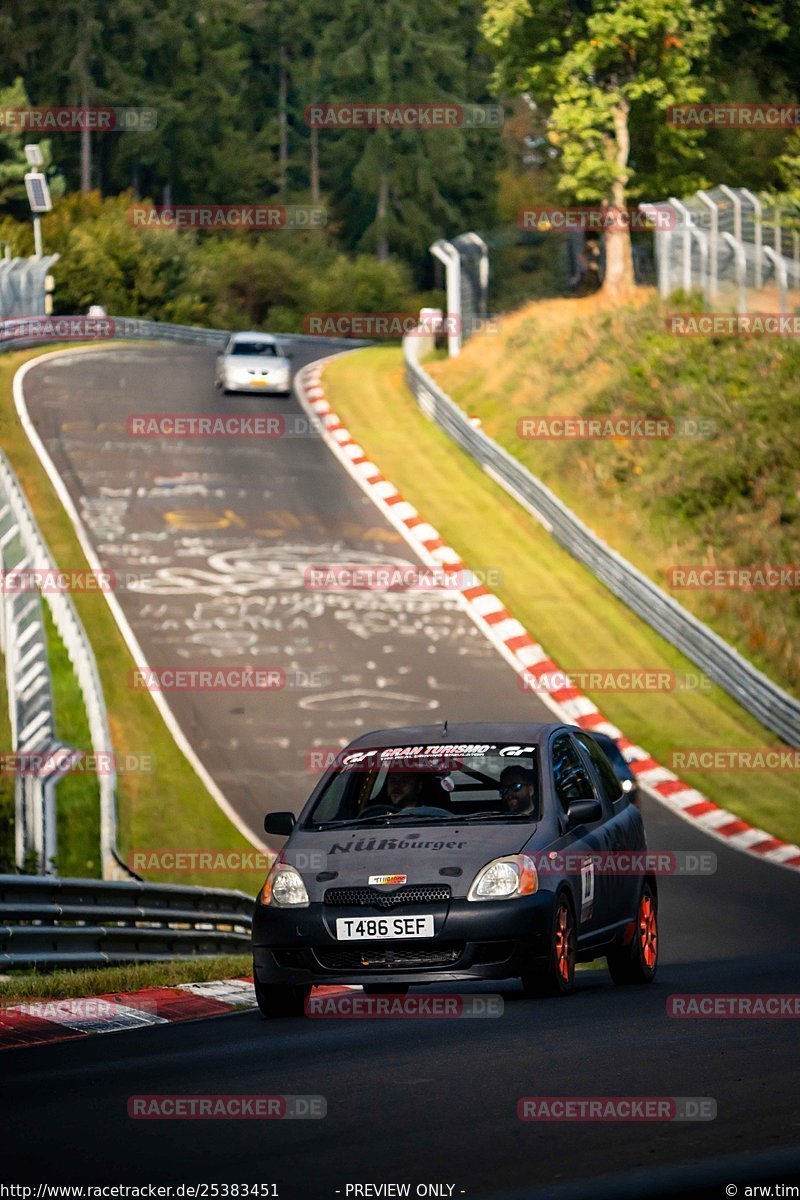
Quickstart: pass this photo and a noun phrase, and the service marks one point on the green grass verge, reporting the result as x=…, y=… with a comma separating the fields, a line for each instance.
x=165, y=809
x=54, y=985
x=580, y=624
x=78, y=794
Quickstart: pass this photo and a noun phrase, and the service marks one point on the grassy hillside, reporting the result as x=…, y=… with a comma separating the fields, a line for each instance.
x=732, y=499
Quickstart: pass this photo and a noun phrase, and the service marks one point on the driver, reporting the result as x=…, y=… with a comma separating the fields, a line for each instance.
x=403, y=789
x=516, y=788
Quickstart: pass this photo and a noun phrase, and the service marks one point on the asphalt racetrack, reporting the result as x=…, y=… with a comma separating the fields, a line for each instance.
x=220, y=532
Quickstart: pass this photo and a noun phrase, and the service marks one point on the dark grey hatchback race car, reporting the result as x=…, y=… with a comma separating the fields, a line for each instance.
x=432, y=855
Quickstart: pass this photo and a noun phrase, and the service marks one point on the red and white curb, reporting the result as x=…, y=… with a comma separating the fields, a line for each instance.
x=519, y=649
x=35, y=1022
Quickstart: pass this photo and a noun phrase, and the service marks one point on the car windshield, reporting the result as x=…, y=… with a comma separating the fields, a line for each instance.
x=253, y=348
x=430, y=785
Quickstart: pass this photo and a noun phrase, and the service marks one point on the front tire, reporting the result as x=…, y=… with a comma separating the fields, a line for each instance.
x=556, y=976
x=637, y=962
x=279, y=1000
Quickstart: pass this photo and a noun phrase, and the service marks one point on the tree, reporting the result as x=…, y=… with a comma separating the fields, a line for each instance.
x=396, y=190
x=608, y=70
x=13, y=163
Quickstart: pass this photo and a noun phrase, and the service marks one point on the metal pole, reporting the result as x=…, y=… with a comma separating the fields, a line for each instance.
x=757, y=210
x=447, y=254
x=37, y=236
x=780, y=274
x=741, y=269
x=483, y=269
x=737, y=210
x=713, y=256
x=687, y=242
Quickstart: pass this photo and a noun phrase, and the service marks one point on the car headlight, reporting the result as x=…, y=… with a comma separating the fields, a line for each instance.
x=284, y=888
x=505, y=878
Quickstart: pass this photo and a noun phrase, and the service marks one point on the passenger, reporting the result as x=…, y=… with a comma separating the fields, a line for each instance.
x=517, y=789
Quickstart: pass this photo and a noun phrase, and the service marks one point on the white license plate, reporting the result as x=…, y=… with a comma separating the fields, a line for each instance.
x=356, y=929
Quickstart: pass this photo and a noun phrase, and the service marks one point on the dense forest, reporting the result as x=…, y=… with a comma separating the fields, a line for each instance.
x=585, y=86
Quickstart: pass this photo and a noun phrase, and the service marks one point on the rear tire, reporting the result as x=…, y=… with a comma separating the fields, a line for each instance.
x=279, y=1000
x=636, y=963
x=556, y=976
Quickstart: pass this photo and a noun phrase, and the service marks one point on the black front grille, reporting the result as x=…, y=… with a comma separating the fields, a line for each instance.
x=383, y=957
x=367, y=897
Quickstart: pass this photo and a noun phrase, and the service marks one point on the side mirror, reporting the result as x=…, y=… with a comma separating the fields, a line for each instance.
x=584, y=812
x=279, y=823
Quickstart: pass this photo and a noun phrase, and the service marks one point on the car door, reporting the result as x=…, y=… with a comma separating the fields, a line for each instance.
x=573, y=781
x=625, y=829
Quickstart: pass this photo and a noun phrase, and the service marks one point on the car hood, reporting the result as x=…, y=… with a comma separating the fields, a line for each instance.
x=256, y=362
x=348, y=857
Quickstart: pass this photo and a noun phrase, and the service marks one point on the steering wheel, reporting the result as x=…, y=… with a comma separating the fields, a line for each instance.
x=372, y=810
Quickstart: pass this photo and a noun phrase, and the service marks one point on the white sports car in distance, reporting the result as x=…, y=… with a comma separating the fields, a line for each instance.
x=254, y=362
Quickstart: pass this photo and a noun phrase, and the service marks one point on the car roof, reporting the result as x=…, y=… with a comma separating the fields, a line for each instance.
x=532, y=732
x=253, y=337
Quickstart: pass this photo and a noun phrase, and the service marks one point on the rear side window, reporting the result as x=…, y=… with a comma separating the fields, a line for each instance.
x=570, y=777
x=608, y=778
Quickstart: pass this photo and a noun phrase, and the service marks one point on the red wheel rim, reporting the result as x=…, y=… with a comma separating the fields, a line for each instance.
x=564, y=950
x=648, y=931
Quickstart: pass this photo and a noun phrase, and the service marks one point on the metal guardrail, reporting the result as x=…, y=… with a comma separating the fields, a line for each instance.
x=756, y=693
x=19, y=523
x=139, y=329
x=23, y=641
x=51, y=922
